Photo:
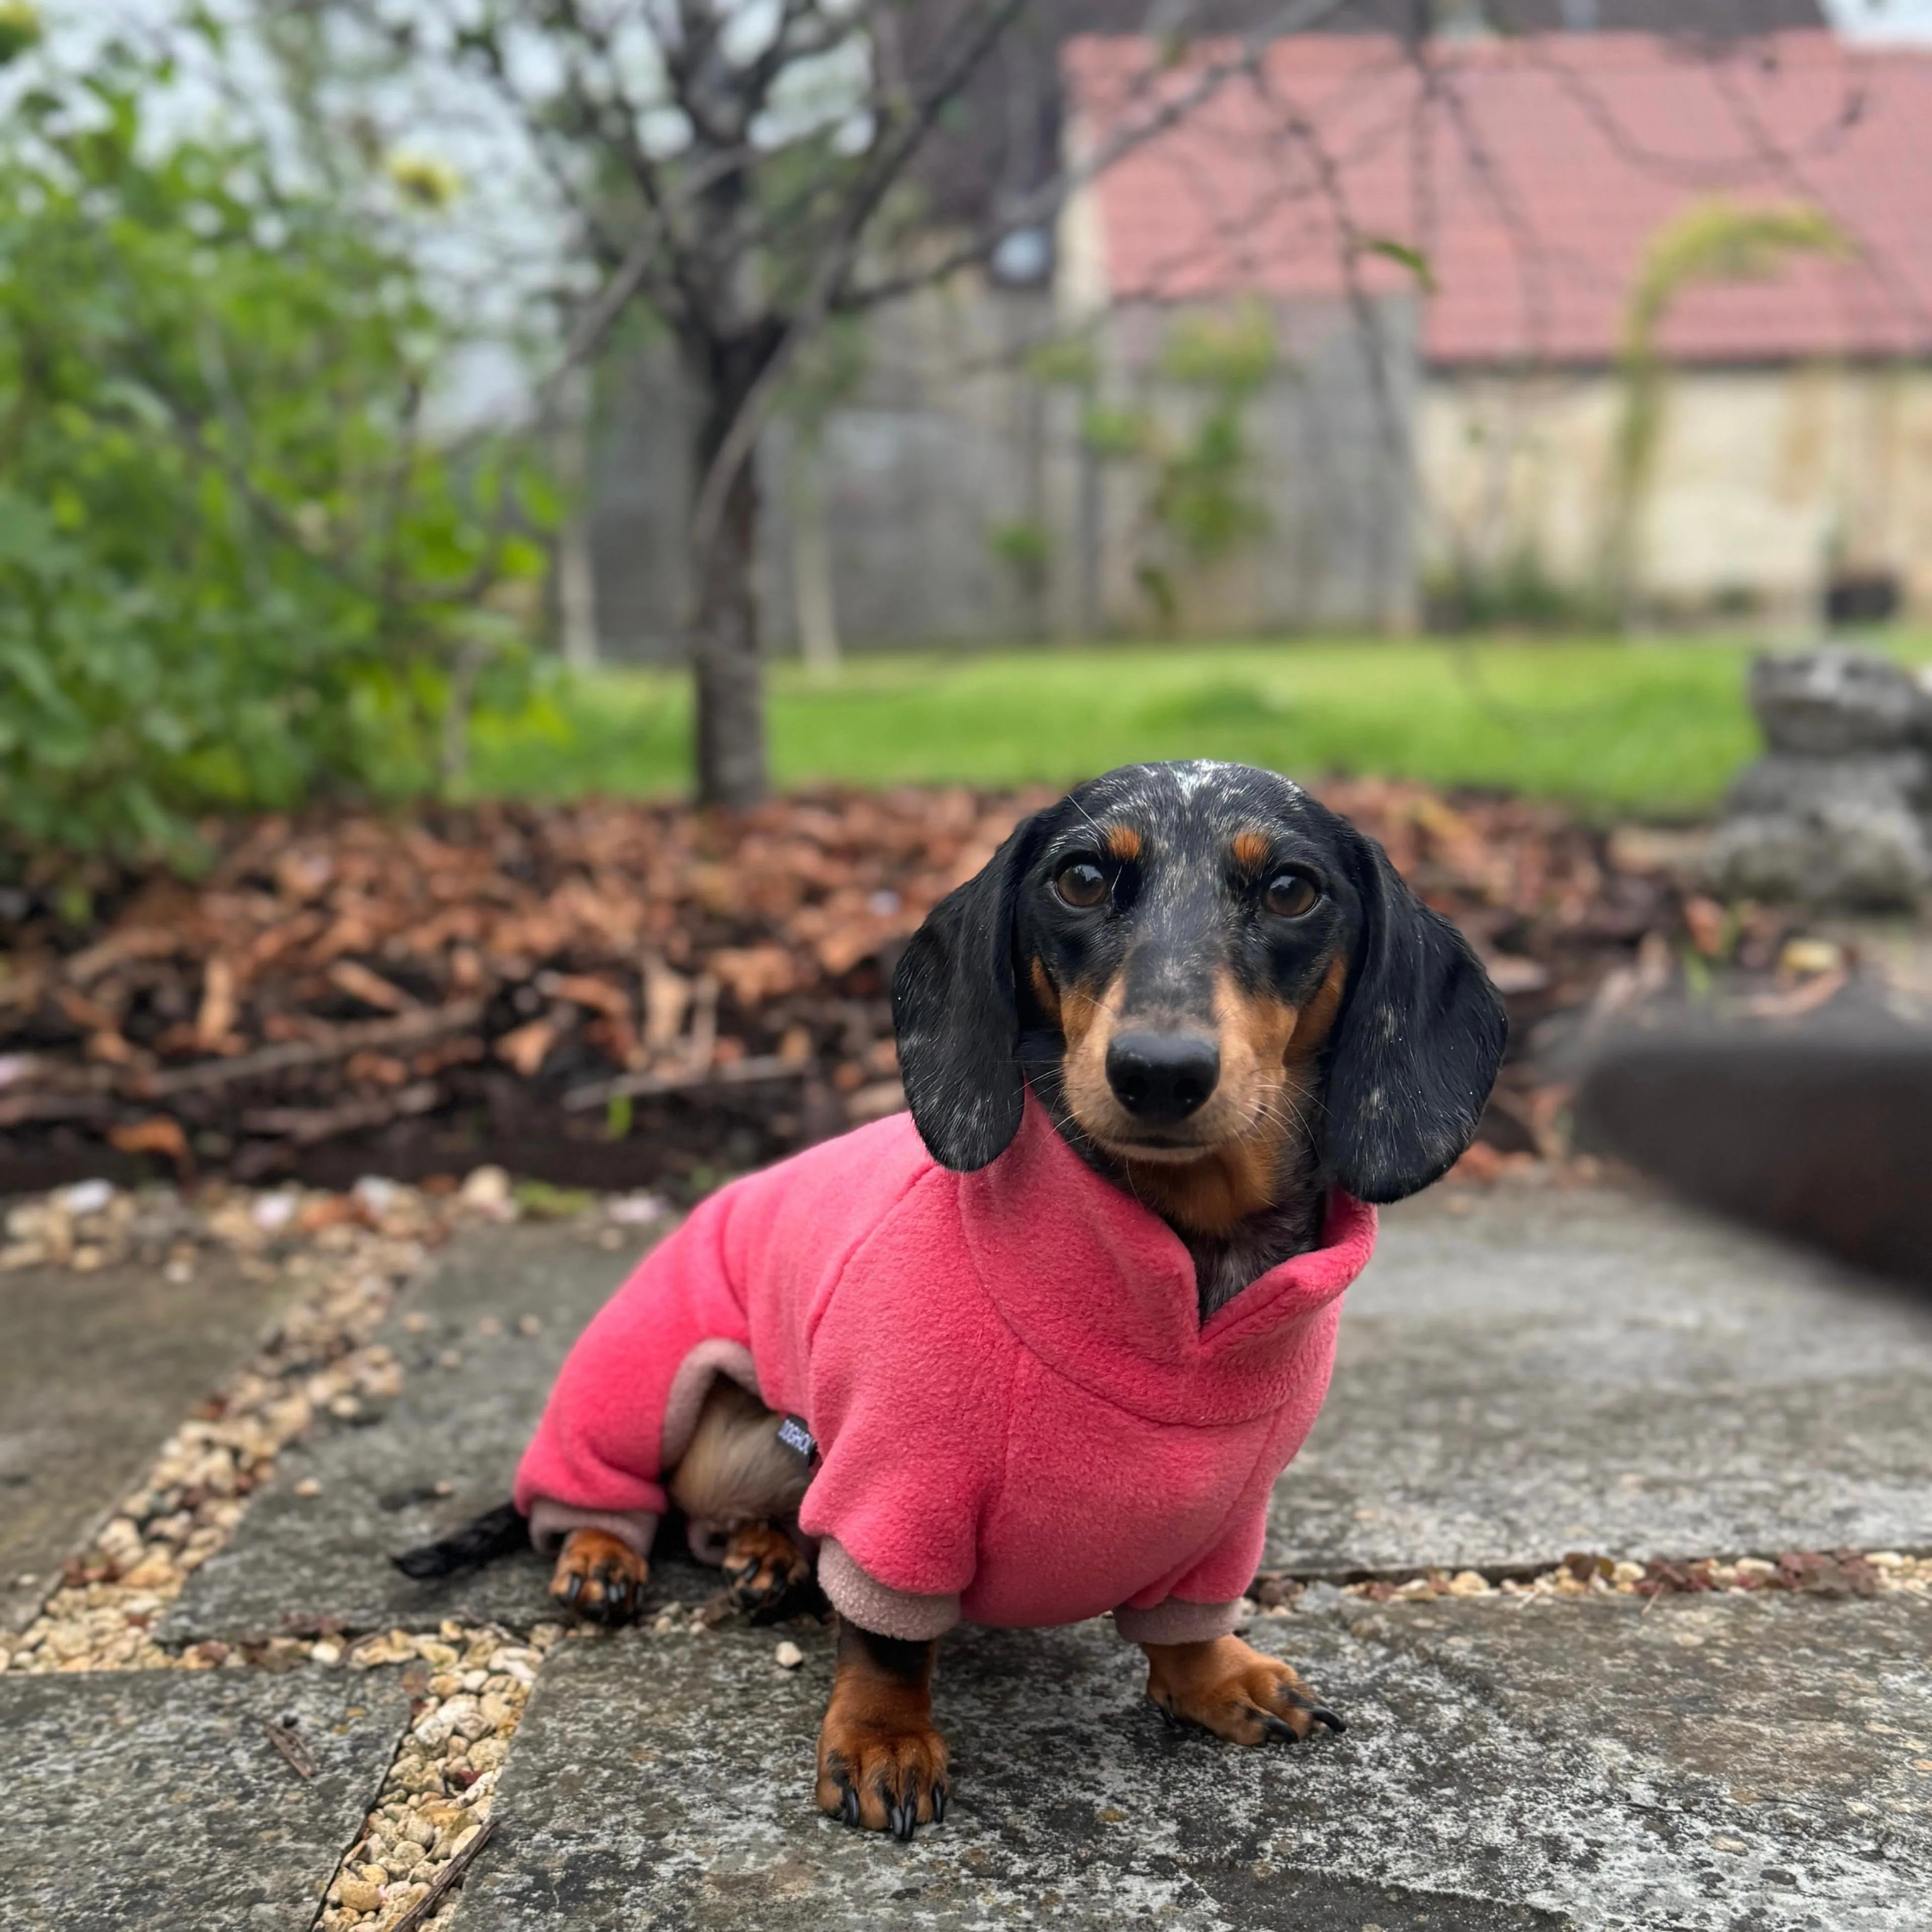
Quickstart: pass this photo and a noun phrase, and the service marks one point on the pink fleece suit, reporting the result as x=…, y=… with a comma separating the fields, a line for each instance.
x=1022, y=1420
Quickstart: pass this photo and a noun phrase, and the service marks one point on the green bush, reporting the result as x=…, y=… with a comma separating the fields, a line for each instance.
x=234, y=567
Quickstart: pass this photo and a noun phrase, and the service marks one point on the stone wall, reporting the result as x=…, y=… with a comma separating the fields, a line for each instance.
x=951, y=457
x=1767, y=481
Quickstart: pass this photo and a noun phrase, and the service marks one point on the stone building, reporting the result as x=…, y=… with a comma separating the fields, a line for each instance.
x=1442, y=244
x=1522, y=190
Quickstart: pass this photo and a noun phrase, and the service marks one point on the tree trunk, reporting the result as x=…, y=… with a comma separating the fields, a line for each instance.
x=726, y=669
x=811, y=560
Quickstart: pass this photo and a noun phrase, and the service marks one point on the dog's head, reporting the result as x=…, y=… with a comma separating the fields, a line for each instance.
x=1215, y=962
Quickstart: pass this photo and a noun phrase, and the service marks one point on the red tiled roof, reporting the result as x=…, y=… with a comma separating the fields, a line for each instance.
x=1531, y=175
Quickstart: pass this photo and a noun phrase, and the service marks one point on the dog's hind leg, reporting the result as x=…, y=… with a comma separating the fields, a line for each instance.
x=735, y=1482
x=765, y=1570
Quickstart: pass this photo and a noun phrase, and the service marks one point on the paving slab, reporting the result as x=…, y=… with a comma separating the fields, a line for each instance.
x=1713, y=1765
x=474, y=1386
x=155, y=1801
x=1531, y=1370
x=97, y=1370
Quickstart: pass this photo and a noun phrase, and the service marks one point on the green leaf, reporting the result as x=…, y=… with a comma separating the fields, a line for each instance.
x=1404, y=255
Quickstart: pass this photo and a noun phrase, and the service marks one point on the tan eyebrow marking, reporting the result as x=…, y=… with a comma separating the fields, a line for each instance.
x=1252, y=849
x=1123, y=842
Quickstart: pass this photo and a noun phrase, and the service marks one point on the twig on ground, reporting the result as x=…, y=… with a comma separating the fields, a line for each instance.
x=302, y=1760
x=407, y=1029
x=639, y=1086
x=450, y=1874
x=305, y=1126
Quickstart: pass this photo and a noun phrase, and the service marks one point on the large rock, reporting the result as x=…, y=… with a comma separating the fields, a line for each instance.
x=1837, y=701
x=1836, y=815
x=1856, y=848
x=155, y=1802
x=1788, y=784
x=1706, y=1764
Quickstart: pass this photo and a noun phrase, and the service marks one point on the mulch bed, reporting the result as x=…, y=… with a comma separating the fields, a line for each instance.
x=609, y=994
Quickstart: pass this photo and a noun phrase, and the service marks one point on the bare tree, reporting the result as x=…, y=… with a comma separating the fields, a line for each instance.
x=742, y=169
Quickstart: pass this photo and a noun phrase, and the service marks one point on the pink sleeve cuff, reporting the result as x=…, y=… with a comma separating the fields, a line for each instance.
x=875, y=1606
x=551, y=1523
x=1177, y=1622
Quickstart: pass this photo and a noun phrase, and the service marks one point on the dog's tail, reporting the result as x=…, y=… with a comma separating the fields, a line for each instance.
x=498, y=1532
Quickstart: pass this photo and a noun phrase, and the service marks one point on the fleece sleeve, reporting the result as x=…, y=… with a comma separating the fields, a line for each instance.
x=911, y=1376
x=600, y=1448
x=1205, y=1601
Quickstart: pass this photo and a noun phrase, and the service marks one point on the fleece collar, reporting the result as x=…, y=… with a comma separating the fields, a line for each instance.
x=1103, y=1291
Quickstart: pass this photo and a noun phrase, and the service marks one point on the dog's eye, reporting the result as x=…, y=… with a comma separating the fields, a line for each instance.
x=1289, y=895
x=1082, y=885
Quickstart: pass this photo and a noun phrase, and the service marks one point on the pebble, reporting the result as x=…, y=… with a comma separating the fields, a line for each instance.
x=529, y=1325
x=325, y=1653
x=86, y=1197
x=308, y=1486
x=376, y=1193
x=790, y=1657
x=485, y=1187
x=637, y=1210
x=440, y=1789
x=1319, y=1596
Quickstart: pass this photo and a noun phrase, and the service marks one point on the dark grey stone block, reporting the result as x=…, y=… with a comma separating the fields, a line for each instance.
x=1710, y=1764
x=1552, y=1370
x=1818, y=1133
x=296, y=1560
x=154, y=1799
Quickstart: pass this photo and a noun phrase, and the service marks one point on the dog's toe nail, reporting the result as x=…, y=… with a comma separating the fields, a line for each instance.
x=1323, y=1715
x=573, y=1590
x=1279, y=1727
x=848, y=1806
x=939, y=1804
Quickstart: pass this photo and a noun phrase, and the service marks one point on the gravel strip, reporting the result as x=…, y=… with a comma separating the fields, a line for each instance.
x=470, y=1687
x=347, y=1254
x=1838, y=1573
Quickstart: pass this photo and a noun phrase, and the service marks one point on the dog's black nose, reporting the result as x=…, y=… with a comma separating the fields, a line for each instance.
x=1162, y=1076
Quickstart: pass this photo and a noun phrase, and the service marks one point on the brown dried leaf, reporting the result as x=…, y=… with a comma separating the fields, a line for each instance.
x=527, y=1049
x=371, y=988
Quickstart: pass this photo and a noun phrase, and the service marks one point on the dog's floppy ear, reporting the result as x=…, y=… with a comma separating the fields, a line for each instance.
x=957, y=1016
x=1415, y=1050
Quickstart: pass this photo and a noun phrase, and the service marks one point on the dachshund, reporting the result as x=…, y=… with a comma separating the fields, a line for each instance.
x=1171, y=1041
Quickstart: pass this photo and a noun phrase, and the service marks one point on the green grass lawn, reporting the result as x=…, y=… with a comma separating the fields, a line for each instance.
x=1655, y=728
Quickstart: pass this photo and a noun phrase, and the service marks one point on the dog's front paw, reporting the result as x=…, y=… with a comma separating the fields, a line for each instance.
x=763, y=1569
x=880, y=1763
x=599, y=1576
x=1227, y=1687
